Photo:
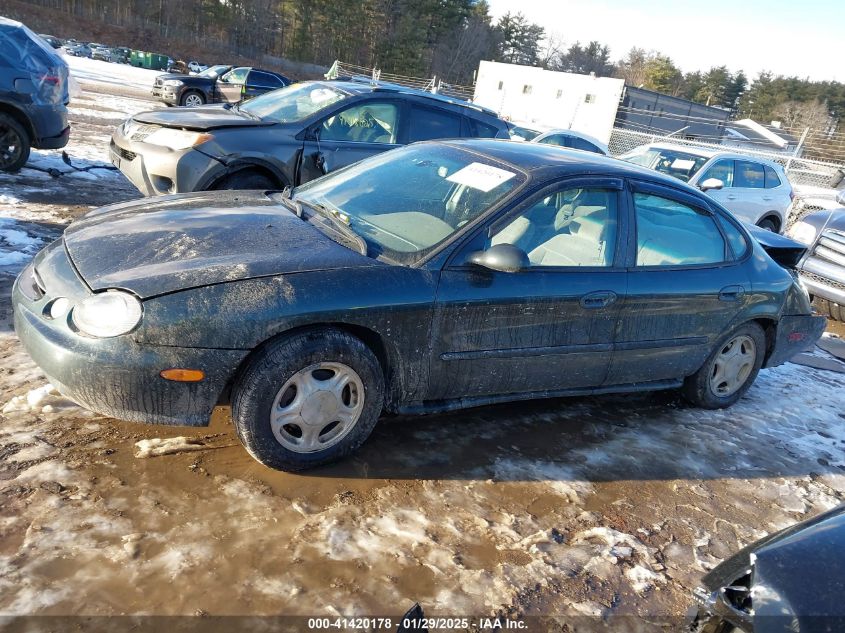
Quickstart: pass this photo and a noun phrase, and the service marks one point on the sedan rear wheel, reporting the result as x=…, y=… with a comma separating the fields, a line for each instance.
x=730, y=369
x=308, y=399
x=14, y=144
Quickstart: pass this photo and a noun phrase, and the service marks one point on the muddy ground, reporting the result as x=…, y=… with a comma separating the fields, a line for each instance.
x=579, y=507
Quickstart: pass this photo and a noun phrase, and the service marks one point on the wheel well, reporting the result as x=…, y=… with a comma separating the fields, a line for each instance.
x=770, y=330
x=254, y=167
x=368, y=337
x=20, y=117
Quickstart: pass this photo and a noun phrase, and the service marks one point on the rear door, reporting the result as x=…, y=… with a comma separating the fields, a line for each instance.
x=685, y=287
x=428, y=123
x=549, y=327
x=258, y=82
x=749, y=187
x=349, y=134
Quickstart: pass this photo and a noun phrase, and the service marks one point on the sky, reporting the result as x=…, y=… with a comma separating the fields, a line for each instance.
x=804, y=38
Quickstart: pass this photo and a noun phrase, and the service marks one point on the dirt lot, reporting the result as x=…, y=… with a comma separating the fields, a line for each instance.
x=577, y=508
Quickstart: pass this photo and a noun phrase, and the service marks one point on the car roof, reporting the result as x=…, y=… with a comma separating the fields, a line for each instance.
x=10, y=23
x=712, y=153
x=361, y=85
x=550, y=161
x=573, y=133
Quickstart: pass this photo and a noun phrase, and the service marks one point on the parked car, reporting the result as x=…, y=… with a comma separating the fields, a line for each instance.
x=55, y=42
x=437, y=276
x=196, y=67
x=218, y=84
x=755, y=189
x=78, y=50
x=33, y=95
x=520, y=132
x=823, y=267
x=101, y=52
x=791, y=580
x=120, y=55
x=286, y=137
x=573, y=140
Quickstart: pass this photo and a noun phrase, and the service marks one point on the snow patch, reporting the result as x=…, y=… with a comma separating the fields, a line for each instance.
x=167, y=446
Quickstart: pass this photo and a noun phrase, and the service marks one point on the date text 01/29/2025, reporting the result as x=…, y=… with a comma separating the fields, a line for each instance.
x=414, y=623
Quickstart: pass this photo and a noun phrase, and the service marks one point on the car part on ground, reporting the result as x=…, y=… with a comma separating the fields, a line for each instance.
x=776, y=584
x=286, y=137
x=822, y=269
x=33, y=95
x=756, y=190
x=464, y=273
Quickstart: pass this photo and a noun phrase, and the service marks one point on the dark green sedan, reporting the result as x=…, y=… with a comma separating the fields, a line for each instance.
x=436, y=276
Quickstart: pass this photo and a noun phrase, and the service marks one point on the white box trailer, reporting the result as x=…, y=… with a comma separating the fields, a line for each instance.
x=549, y=99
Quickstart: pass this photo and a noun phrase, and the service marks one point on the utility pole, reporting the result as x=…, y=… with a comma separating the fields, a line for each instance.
x=797, y=151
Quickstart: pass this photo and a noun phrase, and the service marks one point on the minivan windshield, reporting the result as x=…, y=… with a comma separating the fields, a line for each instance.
x=294, y=103
x=681, y=165
x=406, y=202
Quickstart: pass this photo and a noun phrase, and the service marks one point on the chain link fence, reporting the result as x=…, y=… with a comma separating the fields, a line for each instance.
x=434, y=85
x=801, y=171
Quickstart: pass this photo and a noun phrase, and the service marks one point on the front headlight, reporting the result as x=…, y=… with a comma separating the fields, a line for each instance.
x=107, y=314
x=177, y=139
x=173, y=83
x=802, y=232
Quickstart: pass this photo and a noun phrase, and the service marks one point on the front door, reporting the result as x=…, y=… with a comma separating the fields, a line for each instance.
x=229, y=87
x=348, y=135
x=549, y=327
x=684, y=289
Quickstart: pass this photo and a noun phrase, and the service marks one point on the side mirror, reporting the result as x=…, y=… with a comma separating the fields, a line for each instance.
x=504, y=258
x=711, y=183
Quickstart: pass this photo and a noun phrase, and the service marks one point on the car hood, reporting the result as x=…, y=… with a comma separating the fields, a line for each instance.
x=154, y=247
x=200, y=119
x=179, y=76
x=787, y=582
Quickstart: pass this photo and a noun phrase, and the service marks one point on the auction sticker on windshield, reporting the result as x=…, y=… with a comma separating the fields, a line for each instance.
x=480, y=176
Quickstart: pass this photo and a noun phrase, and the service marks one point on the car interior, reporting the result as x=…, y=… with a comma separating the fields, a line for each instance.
x=672, y=234
x=368, y=123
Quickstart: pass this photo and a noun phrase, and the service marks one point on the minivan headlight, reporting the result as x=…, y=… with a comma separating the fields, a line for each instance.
x=107, y=314
x=177, y=139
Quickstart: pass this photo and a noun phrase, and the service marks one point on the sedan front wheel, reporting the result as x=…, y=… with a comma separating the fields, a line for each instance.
x=308, y=399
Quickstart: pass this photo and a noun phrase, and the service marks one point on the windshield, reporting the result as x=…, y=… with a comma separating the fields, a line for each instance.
x=294, y=103
x=681, y=165
x=406, y=202
x=213, y=71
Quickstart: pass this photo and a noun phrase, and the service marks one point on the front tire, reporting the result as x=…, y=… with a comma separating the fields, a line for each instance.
x=730, y=369
x=308, y=399
x=192, y=99
x=14, y=144
x=247, y=179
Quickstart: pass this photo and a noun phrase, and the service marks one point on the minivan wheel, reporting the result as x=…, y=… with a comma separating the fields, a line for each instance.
x=308, y=399
x=193, y=99
x=14, y=144
x=247, y=179
x=730, y=369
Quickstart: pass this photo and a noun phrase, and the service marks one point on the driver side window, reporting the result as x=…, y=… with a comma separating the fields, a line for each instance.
x=368, y=122
x=235, y=76
x=571, y=227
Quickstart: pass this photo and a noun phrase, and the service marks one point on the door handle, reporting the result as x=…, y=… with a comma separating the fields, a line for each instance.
x=731, y=197
x=597, y=300
x=731, y=293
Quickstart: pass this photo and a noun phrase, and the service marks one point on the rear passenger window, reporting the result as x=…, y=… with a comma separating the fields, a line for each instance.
x=749, y=175
x=670, y=233
x=482, y=130
x=579, y=143
x=772, y=179
x=429, y=124
x=735, y=237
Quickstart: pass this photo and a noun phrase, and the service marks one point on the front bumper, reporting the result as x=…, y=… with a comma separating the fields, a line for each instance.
x=167, y=94
x=116, y=377
x=157, y=170
x=795, y=334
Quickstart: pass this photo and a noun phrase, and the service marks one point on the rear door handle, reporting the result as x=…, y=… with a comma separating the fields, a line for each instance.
x=731, y=293
x=598, y=300
x=731, y=197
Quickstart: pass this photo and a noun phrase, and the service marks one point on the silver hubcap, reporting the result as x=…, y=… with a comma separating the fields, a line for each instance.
x=193, y=101
x=317, y=407
x=733, y=366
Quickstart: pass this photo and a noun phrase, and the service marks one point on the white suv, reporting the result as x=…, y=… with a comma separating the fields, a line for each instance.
x=753, y=189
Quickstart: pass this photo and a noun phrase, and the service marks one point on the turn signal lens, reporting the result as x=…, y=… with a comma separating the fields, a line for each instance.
x=183, y=375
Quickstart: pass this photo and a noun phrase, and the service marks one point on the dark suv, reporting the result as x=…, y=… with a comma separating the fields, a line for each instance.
x=33, y=95
x=287, y=137
x=217, y=84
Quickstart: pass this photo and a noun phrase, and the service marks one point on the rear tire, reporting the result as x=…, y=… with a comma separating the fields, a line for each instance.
x=730, y=369
x=14, y=144
x=768, y=224
x=247, y=179
x=308, y=399
x=830, y=308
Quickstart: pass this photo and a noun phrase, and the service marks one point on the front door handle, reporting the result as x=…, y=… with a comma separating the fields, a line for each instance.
x=731, y=293
x=598, y=300
x=731, y=197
